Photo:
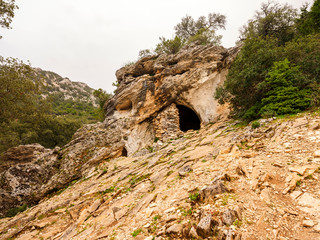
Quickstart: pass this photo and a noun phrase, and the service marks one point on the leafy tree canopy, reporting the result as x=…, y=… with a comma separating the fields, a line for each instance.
x=277, y=70
x=7, y=8
x=273, y=20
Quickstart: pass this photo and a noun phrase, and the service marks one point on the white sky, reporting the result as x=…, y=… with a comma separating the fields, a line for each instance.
x=88, y=41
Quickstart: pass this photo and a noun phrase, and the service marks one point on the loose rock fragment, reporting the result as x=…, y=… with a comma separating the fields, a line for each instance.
x=229, y=216
x=175, y=229
x=204, y=226
x=185, y=170
x=212, y=190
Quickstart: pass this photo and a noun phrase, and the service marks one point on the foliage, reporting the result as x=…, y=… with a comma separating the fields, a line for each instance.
x=277, y=70
x=144, y=53
x=7, y=8
x=169, y=46
x=27, y=118
x=309, y=22
x=17, y=89
x=202, y=30
x=102, y=97
x=273, y=20
x=285, y=94
x=255, y=124
x=14, y=211
x=136, y=232
x=194, y=196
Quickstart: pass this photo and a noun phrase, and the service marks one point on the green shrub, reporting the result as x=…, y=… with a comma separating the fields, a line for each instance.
x=136, y=232
x=194, y=196
x=255, y=124
x=14, y=211
x=169, y=46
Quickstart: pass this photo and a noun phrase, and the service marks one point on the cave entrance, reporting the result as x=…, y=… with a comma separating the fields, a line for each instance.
x=124, y=152
x=188, y=119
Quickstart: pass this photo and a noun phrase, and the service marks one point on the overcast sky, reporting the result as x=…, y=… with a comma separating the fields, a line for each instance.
x=88, y=41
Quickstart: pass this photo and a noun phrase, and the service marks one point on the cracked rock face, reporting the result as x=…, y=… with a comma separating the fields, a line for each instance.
x=158, y=98
x=161, y=95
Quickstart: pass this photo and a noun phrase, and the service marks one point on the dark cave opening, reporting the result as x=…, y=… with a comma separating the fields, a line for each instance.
x=124, y=152
x=188, y=119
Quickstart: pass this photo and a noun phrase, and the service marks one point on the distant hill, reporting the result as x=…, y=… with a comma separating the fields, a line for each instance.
x=65, y=88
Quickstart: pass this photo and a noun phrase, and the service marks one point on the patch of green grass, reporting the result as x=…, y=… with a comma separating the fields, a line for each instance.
x=150, y=149
x=109, y=190
x=169, y=173
x=154, y=224
x=298, y=183
x=186, y=212
x=14, y=211
x=309, y=177
x=135, y=179
x=41, y=216
x=136, y=232
x=255, y=124
x=226, y=197
x=194, y=196
x=237, y=223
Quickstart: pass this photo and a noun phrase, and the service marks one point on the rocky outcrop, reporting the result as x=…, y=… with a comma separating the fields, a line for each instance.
x=168, y=93
x=158, y=98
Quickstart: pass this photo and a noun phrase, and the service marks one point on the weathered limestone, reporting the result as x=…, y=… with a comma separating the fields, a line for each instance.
x=145, y=108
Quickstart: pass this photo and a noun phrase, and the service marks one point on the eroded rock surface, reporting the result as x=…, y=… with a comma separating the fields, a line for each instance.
x=158, y=98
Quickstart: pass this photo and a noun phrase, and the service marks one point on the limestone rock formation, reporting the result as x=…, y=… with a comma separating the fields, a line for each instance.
x=158, y=98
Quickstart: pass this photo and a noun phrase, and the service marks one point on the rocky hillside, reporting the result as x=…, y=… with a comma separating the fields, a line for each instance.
x=64, y=87
x=167, y=164
x=222, y=181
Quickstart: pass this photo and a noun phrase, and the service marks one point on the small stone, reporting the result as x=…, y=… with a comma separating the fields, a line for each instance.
x=175, y=229
x=316, y=154
x=171, y=218
x=96, y=204
x=300, y=170
x=228, y=217
x=307, y=223
x=153, y=205
x=212, y=190
x=147, y=225
x=170, y=210
x=193, y=233
x=185, y=170
x=60, y=210
x=204, y=226
x=149, y=238
x=317, y=228
x=295, y=194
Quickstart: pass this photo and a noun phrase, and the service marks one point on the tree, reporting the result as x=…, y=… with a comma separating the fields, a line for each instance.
x=18, y=86
x=102, y=97
x=202, y=30
x=273, y=20
x=285, y=94
x=7, y=8
x=309, y=21
x=169, y=46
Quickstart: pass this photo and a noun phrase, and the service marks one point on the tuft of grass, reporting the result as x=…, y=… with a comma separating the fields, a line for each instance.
x=298, y=183
x=109, y=190
x=255, y=124
x=237, y=223
x=136, y=232
x=194, y=196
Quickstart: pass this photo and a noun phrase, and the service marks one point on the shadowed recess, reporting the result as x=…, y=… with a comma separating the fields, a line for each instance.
x=124, y=152
x=189, y=120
